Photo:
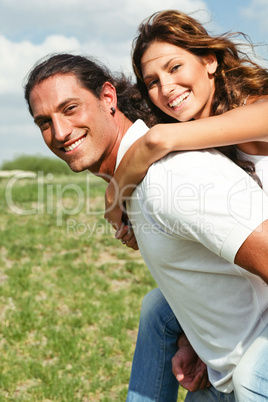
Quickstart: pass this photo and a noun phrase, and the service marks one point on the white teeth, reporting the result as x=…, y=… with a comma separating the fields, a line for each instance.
x=178, y=101
x=74, y=145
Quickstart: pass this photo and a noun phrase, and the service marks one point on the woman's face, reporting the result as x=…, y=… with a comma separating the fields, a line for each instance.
x=178, y=82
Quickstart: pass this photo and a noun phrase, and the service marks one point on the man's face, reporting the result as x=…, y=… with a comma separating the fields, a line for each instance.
x=75, y=125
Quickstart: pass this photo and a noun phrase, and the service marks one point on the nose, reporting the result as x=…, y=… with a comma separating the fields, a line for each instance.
x=167, y=87
x=61, y=128
x=167, y=84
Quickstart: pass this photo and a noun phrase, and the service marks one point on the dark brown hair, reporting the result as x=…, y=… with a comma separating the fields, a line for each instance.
x=237, y=76
x=92, y=75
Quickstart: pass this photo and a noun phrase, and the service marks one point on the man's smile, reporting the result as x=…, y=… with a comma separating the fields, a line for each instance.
x=75, y=144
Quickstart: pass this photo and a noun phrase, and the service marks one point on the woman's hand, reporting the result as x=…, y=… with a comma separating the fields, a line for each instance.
x=127, y=237
x=131, y=171
x=116, y=215
x=114, y=208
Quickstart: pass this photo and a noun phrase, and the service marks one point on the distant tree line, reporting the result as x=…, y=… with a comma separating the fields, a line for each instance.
x=36, y=164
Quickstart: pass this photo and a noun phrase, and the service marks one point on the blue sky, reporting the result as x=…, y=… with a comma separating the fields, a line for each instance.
x=30, y=29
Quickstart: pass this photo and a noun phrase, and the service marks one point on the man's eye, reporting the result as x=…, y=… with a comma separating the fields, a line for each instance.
x=44, y=124
x=69, y=109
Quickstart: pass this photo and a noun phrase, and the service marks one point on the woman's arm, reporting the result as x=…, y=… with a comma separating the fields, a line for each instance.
x=241, y=125
x=237, y=126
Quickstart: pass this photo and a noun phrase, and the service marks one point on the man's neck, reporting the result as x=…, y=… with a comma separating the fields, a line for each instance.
x=107, y=167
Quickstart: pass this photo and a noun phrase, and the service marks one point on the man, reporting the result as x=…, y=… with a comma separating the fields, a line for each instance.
x=222, y=308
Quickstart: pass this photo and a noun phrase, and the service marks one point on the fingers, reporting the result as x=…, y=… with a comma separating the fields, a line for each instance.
x=127, y=237
x=203, y=373
x=189, y=370
x=179, y=377
x=115, y=217
x=176, y=367
x=122, y=233
x=199, y=382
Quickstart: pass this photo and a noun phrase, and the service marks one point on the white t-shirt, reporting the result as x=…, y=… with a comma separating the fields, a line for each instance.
x=190, y=215
x=261, y=167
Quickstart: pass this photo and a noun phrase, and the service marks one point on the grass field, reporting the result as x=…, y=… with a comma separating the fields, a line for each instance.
x=70, y=294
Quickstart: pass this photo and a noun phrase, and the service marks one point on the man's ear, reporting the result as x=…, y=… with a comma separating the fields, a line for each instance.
x=211, y=63
x=108, y=95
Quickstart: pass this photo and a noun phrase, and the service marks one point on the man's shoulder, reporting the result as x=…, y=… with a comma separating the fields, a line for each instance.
x=134, y=132
x=195, y=163
x=192, y=170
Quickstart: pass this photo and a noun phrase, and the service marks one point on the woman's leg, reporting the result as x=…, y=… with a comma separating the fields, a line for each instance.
x=250, y=377
x=151, y=376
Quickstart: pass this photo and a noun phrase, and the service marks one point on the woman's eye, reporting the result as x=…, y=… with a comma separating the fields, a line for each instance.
x=175, y=68
x=152, y=84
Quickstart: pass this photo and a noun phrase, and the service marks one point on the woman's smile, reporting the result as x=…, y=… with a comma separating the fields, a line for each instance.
x=179, y=83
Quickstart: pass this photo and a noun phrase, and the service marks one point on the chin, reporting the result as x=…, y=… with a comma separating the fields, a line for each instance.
x=185, y=117
x=177, y=116
x=77, y=169
x=74, y=166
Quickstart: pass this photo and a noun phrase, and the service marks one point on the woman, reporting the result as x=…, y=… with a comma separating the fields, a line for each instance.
x=220, y=98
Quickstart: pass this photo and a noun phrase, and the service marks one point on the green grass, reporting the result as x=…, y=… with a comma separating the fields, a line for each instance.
x=70, y=294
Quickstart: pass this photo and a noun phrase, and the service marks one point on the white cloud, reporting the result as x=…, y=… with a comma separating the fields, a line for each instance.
x=19, y=58
x=95, y=27
x=84, y=19
x=17, y=132
x=31, y=29
x=257, y=11
x=17, y=129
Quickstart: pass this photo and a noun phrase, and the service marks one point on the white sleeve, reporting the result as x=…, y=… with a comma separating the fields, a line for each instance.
x=207, y=199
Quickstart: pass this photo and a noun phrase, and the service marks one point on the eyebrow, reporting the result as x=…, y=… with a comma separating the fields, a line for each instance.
x=163, y=67
x=59, y=107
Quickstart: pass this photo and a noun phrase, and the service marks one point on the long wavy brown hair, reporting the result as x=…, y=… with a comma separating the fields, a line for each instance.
x=236, y=78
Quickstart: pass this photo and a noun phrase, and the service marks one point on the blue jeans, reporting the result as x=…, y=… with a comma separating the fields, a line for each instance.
x=250, y=377
x=151, y=378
